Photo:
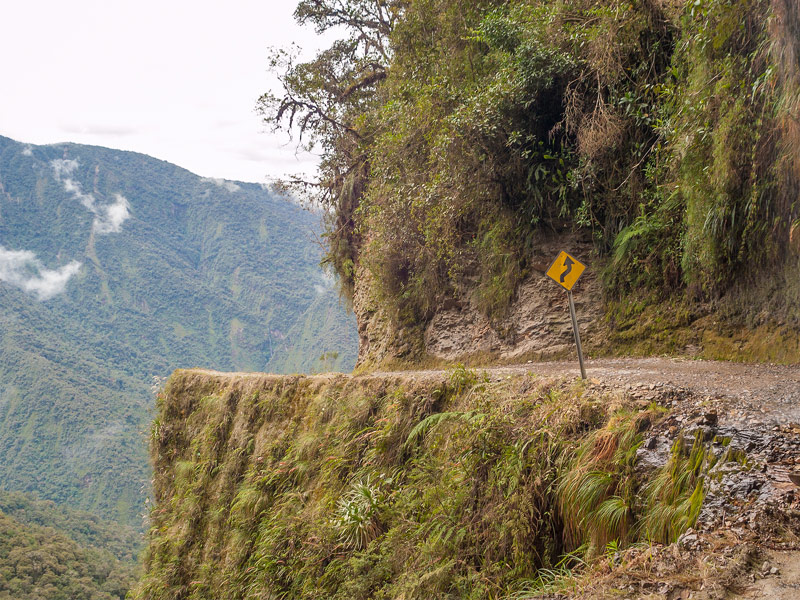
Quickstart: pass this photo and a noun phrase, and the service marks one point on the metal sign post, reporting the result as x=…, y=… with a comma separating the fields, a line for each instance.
x=577, y=333
x=565, y=271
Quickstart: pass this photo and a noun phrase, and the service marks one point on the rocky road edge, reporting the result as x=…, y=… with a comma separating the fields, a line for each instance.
x=746, y=542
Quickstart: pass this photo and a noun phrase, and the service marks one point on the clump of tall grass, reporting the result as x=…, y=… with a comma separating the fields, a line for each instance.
x=596, y=488
x=675, y=496
x=357, y=517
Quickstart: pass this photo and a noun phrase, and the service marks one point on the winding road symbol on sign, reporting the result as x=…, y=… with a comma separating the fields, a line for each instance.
x=567, y=263
x=566, y=270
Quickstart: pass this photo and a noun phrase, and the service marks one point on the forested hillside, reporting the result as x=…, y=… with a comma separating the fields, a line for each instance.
x=83, y=528
x=38, y=563
x=53, y=553
x=661, y=137
x=116, y=268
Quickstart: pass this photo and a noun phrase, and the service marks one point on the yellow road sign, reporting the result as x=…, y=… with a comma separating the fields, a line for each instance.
x=566, y=270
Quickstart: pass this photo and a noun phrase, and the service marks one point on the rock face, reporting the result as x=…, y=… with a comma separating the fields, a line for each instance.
x=537, y=325
x=380, y=339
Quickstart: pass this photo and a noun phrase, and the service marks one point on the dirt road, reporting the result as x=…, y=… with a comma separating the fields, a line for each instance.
x=770, y=391
x=742, y=391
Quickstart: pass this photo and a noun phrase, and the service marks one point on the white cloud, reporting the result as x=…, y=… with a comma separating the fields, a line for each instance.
x=63, y=167
x=21, y=268
x=75, y=189
x=111, y=217
x=27, y=151
x=227, y=185
x=107, y=219
x=99, y=129
x=328, y=283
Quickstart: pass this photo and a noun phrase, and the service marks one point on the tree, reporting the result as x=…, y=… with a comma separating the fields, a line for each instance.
x=324, y=101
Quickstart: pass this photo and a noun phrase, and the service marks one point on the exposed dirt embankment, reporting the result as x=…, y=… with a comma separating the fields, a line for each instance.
x=668, y=478
x=536, y=324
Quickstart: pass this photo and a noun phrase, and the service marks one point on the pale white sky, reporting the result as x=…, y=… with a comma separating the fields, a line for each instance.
x=176, y=79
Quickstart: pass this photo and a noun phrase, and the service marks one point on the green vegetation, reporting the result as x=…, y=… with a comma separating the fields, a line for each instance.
x=457, y=133
x=449, y=487
x=675, y=496
x=47, y=554
x=204, y=273
x=86, y=529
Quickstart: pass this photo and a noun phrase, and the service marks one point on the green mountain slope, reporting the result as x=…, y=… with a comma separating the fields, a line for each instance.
x=41, y=562
x=116, y=268
x=85, y=529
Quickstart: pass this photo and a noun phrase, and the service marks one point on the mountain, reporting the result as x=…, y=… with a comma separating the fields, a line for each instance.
x=115, y=269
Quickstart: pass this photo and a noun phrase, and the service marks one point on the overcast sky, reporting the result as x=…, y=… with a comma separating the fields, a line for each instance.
x=176, y=79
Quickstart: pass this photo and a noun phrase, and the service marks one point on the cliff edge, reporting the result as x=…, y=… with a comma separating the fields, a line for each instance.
x=653, y=478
